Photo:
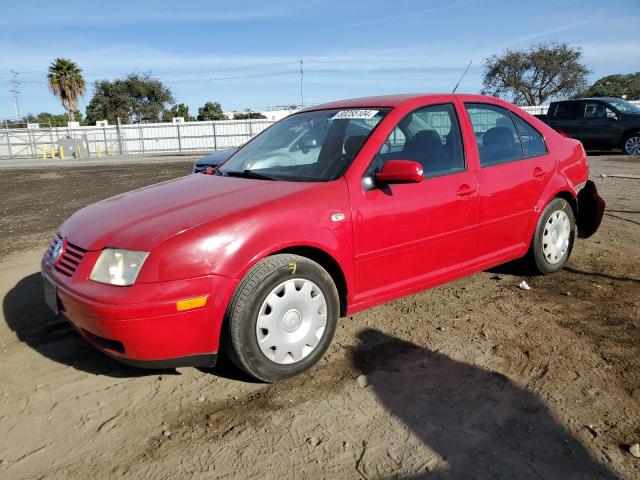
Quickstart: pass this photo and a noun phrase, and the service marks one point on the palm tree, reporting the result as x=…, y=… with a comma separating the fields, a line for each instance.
x=66, y=82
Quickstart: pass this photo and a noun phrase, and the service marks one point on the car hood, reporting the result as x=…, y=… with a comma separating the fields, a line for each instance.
x=216, y=158
x=141, y=219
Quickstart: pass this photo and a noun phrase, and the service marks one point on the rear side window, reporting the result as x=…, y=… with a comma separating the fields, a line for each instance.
x=496, y=135
x=532, y=142
x=567, y=110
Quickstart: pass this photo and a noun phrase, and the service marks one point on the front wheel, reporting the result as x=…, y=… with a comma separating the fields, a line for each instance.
x=553, y=239
x=631, y=144
x=281, y=318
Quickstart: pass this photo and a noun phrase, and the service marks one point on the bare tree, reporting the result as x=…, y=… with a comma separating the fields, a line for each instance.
x=533, y=76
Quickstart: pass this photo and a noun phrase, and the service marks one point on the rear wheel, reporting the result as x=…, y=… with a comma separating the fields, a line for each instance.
x=281, y=318
x=631, y=144
x=553, y=239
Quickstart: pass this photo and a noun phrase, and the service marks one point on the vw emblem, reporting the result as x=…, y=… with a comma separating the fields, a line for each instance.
x=58, y=250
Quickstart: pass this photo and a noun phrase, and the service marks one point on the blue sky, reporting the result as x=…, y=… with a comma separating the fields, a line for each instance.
x=245, y=54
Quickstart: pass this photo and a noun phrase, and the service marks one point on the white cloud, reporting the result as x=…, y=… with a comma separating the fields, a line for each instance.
x=392, y=18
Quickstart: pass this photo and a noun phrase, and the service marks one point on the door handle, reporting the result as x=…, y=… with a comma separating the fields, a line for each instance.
x=538, y=172
x=465, y=190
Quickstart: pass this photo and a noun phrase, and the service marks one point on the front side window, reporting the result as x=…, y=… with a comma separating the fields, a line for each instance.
x=430, y=136
x=624, y=106
x=496, y=135
x=316, y=146
x=597, y=110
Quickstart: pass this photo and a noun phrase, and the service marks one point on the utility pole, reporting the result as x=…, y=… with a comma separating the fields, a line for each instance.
x=301, y=86
x=15, y=89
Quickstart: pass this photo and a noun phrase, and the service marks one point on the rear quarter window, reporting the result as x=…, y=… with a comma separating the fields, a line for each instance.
x=532, y=142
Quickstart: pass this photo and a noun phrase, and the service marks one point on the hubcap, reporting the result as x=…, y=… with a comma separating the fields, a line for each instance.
x=555, y=239
x=632, y=145
x=291, y=321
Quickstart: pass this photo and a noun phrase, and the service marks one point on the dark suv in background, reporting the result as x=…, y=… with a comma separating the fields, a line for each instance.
x=602, y=123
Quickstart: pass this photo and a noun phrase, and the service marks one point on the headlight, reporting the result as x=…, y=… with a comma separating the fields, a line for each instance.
x=118, y=267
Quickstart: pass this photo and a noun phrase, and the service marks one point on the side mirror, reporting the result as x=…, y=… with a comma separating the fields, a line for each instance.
x=612, y=116
x=400, y=171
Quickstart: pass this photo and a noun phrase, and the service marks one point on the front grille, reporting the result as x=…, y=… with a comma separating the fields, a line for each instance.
x=70, y=259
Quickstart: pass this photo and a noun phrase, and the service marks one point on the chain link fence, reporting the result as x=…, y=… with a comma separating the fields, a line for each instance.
x=149, y=138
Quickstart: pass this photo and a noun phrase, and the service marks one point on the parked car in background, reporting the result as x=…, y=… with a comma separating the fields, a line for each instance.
x=212, y=160
x=602, y=123
x=330, y=211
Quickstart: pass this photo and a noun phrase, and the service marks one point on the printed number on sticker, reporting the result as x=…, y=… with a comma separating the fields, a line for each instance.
x=354, y=114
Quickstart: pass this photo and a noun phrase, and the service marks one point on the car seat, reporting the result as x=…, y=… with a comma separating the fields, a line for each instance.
x=498, y=145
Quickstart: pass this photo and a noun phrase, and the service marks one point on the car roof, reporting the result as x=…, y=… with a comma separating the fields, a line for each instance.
x=396, y=100
x=589, y=98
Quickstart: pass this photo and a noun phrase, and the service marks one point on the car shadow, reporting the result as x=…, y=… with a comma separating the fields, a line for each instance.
x=519, y=268
x=479, y=423
x=53, y=336
x=225, y=368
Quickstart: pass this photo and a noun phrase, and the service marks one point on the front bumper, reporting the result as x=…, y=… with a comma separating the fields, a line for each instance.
x=140, y=325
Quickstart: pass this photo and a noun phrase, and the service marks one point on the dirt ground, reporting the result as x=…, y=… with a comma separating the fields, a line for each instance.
x=473, y=379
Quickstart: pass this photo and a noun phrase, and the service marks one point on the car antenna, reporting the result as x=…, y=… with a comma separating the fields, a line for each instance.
x=462, y=76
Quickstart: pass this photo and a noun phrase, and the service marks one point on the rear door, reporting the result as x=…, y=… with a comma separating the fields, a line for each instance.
x=567, y=117
x=514, y=168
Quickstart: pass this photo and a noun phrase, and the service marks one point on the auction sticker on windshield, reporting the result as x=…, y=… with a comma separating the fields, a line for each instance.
x=354, y=114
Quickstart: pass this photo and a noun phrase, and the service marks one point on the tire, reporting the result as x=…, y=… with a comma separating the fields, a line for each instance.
x=276, y=314
x=631, y=143
x=554, y=236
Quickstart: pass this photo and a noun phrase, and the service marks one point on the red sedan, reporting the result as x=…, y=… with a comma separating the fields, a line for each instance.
x=330, y=211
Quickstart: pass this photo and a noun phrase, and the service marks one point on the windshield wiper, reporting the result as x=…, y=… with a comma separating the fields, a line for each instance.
x=247, y=174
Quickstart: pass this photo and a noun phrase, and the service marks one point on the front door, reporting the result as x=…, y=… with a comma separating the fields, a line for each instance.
x=598, y=127
x=407, y=235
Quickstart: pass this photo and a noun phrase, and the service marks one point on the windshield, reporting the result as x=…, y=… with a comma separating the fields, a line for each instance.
x=624, y=106
x=315, y=146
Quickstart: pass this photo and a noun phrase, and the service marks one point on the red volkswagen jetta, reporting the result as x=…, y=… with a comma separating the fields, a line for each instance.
x=331, y=210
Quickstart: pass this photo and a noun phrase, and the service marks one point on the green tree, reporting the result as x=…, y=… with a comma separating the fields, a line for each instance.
x=179, y=110
x=66, y=83
x=211, y=111
x=616, y=86
x=245, y=116
x=56, y=120
x=533, y=76
x=136, y=98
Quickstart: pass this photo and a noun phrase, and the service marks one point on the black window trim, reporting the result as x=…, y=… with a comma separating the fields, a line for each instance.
x=457, y=118
x=511, y=115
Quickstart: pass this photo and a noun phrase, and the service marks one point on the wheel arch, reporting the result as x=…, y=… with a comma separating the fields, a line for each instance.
x=570, y=198
x=564, y=192
x=626, y=134
x=329, y=263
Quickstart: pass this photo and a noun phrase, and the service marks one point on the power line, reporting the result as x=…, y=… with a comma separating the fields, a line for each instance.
x=234, y=77
x=15, y=90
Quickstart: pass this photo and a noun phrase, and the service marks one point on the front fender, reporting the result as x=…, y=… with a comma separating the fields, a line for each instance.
x=231, y=245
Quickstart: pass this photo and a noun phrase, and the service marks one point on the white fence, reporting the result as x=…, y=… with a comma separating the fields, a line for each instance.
x=129, y=139
x=140, y=139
